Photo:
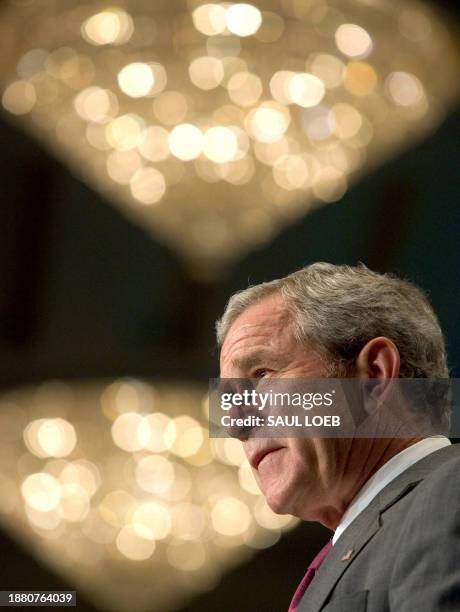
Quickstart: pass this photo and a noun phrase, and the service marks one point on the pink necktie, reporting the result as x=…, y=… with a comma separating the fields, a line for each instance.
x=309, y=575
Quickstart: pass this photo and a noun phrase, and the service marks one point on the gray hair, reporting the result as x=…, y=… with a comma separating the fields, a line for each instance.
x=337, y=309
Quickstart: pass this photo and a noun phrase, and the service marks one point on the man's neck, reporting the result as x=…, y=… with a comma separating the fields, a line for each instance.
x=367, y=466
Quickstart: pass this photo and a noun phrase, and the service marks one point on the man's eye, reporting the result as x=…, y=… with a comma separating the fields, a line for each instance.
x=260, y=373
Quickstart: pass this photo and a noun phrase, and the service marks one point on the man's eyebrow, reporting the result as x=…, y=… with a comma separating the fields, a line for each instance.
x=254, y=359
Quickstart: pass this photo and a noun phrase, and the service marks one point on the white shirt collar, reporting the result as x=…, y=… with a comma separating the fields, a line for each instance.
x=388, y=472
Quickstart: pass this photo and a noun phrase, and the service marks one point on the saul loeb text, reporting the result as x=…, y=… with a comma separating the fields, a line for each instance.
x=250, y=421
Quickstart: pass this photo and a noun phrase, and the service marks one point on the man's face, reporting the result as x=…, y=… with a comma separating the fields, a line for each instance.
x=300, y=476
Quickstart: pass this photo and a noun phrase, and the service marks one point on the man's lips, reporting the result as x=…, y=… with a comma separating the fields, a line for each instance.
x=259, y=455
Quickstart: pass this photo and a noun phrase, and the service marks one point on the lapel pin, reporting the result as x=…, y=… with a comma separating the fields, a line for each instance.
x=347, y=555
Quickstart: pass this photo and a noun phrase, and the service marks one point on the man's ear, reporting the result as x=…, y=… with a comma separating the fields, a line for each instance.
x=378, y=359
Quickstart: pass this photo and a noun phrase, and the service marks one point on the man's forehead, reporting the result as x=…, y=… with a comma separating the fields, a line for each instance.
x=257, y=357
x=256, y=323
x=270, y=307
x=256, y=316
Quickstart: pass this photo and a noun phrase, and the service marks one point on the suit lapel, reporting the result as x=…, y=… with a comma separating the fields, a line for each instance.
x=349, y=545
x=365, y=526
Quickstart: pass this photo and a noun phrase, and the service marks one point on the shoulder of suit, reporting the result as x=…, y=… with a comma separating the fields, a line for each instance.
x=444, y=476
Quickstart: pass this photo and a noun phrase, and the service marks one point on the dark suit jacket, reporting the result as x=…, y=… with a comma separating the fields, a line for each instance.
x=406, y=547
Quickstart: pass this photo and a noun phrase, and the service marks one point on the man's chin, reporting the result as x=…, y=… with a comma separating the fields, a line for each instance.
x=287, y=502
x=278, y=503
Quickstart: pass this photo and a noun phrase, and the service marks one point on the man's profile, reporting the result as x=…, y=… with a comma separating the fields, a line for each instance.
x=392, y=503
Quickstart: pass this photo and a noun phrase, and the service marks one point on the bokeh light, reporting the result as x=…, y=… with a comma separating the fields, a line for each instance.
x=41, y=491
x=50, y=437
x=306, y=89
x=148, y=185
x=230, y=516
x=243, y=19
x=209, y=19
x=186, y=141
x=96, y=104
x=155, y=474
x=136, y=542
x=206, y=72
x=405, y=89
x=353, y=40
x=155, y=106
x=155, y=517
x=19, y=97
x=111, y=26
x=268, y=122
x=244, y=88
x=136, y=80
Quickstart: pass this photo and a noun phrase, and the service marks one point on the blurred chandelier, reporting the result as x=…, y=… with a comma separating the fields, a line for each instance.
x=118, y=488
x=214, y=125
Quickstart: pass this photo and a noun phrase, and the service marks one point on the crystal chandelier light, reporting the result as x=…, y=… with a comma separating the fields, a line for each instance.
x=118, y=488
x=214, y=125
